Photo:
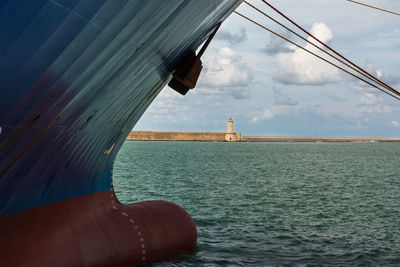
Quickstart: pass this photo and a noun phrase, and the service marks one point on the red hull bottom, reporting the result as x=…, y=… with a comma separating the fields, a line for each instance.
x=95, y=230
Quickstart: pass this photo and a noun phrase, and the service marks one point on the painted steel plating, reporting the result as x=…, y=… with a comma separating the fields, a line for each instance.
x=72, y=75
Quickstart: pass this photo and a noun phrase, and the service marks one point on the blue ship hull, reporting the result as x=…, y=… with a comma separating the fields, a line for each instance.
x=75, y=77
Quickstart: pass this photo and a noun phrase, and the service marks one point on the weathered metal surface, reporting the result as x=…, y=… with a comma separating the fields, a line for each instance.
x=75, y=76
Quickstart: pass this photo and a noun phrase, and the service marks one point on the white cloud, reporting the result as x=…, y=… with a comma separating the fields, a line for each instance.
x=389, y=80
x=281, y=99
x=374, y=109
x=300, y=67
x=224, y=73
x=372, y=103
x=277, y=45
x=395, y=123
x=166, y=105
x=370, y=99
x=254, y=120
x=262, y=116
x=267, y=115
x=223, y=70
x=232, y=37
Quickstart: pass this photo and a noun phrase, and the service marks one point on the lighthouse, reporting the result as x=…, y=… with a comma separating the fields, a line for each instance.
x=230, y=135
x=230, y=125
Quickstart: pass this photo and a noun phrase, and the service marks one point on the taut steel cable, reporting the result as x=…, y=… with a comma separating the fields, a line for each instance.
x=320, y=48
x=374, y=7
x=331, y=49
x=312, y=53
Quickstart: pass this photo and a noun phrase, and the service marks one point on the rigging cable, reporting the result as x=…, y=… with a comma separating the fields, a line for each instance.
x=374, y=7
x=312, y=53
x=316, y=46
x=334, y=51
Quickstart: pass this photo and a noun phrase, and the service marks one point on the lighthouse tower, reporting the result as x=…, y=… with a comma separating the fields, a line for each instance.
x=230, y=125
x=230, y=135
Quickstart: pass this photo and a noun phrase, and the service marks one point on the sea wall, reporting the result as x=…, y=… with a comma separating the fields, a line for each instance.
x=315, y=139
x=175, y=136
x=237, y=137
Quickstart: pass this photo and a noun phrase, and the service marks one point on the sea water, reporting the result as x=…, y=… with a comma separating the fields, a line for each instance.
x=274, y=204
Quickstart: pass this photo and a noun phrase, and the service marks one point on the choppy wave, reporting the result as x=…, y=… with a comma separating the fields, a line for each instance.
x=274, y=204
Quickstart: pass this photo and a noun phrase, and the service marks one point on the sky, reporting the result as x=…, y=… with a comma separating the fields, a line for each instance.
x=271, y=88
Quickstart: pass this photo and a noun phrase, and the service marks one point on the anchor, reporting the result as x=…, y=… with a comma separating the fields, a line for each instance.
x=188, y=70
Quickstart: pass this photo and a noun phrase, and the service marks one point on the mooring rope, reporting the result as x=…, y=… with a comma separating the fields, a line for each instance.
x=314, y=54
x=374, y=7
x=318, y=47
x=334, y=51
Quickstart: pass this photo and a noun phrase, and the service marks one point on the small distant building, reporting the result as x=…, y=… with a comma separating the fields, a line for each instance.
x=231, y=136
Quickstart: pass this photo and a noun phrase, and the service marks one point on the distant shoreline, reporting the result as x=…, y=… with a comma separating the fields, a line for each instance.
x=316, y=139
x=222, y=137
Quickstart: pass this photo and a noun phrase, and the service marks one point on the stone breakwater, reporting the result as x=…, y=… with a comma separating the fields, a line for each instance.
x=236, y=137
x=182, y=136
x=315, y=139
